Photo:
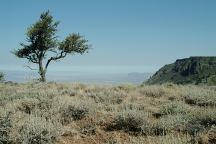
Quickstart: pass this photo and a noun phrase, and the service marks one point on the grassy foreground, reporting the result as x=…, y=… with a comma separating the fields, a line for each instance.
x=76, y=113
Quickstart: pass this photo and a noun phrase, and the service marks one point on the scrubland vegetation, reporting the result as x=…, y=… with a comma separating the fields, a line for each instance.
x=43, y=113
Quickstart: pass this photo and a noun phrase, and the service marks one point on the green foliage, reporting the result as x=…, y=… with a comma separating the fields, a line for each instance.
x=1, y=76
x=42, y=41
x=74, y=43
x=41, y=38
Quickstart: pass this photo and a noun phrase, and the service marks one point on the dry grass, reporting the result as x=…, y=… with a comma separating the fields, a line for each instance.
x=39, y=113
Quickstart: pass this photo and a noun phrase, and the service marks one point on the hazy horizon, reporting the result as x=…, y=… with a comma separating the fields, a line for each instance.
x=126, y=36
x=79, y=76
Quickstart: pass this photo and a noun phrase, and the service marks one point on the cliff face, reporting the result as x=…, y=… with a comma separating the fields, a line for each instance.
x=194, y=70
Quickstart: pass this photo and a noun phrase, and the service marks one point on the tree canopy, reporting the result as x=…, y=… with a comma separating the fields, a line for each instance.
x=42, y=40
x=1, y=76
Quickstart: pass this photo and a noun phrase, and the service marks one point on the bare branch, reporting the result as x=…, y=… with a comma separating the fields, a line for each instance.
x=59, y=56
x=30, y=67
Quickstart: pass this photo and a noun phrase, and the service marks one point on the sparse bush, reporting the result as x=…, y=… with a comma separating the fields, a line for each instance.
x=207, y=137
x=88, y=129
x=78, y=112
x=173, y=108
x=169, y=123
x=200, y=121
x=74, y=112
x=113, y=141
x=169, y=139
x=200, y=96
x=36, y=130
x=153, y=90
x=5, y=125
x=192, y=123
x=108, y=96
x=27, y=105
x=130, y=121
x=212, y=135
x=44, y=105
x=132, y=106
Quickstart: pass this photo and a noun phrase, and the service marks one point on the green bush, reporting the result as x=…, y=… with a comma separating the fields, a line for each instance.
x=130, y=121
x=74, y=113
x=200, y=121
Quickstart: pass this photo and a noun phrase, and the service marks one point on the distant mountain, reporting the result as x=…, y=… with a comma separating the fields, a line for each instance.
x=193, y=70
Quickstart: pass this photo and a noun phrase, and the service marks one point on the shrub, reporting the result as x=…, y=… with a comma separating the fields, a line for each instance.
x=89, y=129
x=5, y=125
x=74, y=112
x=153, y=90
x=130, y=121
x=37, y=130
x=108, y=96
x=192, y=123
x=169, y=139
x=132, y=106
x=212, y=135
x=208, y=137
x=27, y=105
x=173, y=108
x=200, y=121
x=169, y=123
x=200, y=96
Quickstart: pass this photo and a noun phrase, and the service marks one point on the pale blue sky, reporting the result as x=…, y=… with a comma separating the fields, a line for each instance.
x=138, y=34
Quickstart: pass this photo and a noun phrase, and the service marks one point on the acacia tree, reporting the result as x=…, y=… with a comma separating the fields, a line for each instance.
x=42, y=42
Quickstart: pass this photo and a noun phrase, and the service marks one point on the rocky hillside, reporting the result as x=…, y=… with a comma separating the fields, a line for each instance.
x=193, y=70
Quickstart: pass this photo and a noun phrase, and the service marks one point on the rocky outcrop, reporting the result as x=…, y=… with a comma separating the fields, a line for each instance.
x=193, y=70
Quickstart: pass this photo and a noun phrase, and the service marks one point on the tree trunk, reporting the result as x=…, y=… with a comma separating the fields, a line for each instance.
x=42, y=72
x=43, y=76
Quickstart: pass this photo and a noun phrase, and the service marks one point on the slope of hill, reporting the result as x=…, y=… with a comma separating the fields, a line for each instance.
x=193, y=70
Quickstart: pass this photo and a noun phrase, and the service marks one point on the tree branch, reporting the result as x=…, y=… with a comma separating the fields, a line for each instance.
x=30, y=67
x=62, y=55
x=31, y=59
